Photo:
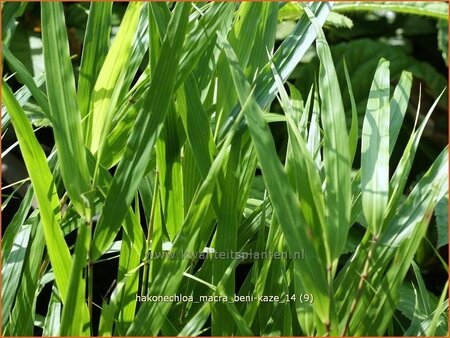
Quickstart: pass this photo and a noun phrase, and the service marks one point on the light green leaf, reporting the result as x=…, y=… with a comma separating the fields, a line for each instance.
x=375, y=150
x=44, y=188
x=110, y=79
x=73, y=323
x=143, y=137
x=432, y=9
x=297, y=233
x=65, y=116
x=53, y=319
x=336, y=157
x=95, y=48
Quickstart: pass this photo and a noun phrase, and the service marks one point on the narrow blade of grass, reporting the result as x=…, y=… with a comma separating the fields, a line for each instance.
x=22, y=95
x=398, y=106
x=399, y=178
x=95, y=48
x=226, y=237
x=15, y=225
x=194, y=327
x=12, y=271
x=375, y=150
x=168, y=162
x=25, y=77
x=73, y=323
x=297, y=233
x=314, y=132
x=266, y=33
x=43, y=184
x=110, y=78
x=52, y=321
x=353, y=134
x=143, y=137
x=10, y=11
x=128, y=261
x=336, y=156
x=300, y=166
x=65, y=116
x=285, y=59
x=23, y=313
x=192, y=238
x=197, y=126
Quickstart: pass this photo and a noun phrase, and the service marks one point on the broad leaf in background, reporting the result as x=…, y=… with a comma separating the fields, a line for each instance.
x=362, y=56
x=442, y=26
x=434, y=9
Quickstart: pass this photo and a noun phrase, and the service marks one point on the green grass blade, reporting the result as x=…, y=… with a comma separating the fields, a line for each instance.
x=314, y=132
x=399, y=178
x=146, y=130
x=65, y=116
x=192, y=238
x=267, y=27
x=353, y=134
x=128, y=261
x=197, y=126
x=440, y=311
x=159, y=12
x=241, y=38
x=105, y=328
x=398, y=244
x=336, y=157
x=23, y=313
x=300, y=165
x=197, y=41
x=130, y=223
x=195, y=325
x=10, y=11
x=168, y=162
x=110, y=79
x=226, y=237
x=201, y=37
x=95, y=48
x=375, y=150
x=398, y=106
x=24, y=76
x=16, y=223
x=285, y=59
x=47, y=199
x=52, y=321
x=107, y=317
x=22, y=96
x=12, y=270
x=73, y=323
x=139, y=50
x=298, y=234
x=43, y=184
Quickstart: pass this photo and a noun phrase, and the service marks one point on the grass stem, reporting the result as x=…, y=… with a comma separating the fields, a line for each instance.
x=362, y=279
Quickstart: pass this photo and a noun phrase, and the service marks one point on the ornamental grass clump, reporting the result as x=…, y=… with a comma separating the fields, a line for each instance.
x=165, y=171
